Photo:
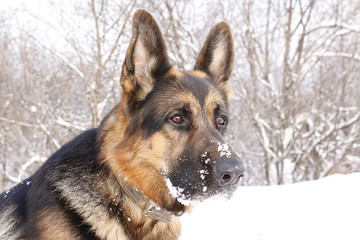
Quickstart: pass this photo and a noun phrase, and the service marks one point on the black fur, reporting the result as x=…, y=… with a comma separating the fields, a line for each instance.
x=38, y=192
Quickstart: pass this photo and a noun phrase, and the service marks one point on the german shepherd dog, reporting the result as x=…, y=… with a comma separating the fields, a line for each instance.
x=158, y=151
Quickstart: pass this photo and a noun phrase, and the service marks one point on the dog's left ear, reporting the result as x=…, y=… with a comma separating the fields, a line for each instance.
x=146, y=58
x=217, y=56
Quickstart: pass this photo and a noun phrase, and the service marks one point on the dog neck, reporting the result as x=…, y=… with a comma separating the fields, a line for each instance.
x=141, y=218
x=146, y=205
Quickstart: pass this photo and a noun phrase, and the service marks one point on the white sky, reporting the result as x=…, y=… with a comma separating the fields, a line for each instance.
x=36, y=17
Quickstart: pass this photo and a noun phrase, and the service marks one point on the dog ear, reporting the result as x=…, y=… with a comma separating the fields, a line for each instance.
x=217, y=56
x=146, y=57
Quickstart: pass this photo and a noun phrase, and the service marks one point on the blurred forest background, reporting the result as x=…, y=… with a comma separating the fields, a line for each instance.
x=296, y=102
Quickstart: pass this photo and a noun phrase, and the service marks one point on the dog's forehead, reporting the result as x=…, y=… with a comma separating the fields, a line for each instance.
x=199, y=86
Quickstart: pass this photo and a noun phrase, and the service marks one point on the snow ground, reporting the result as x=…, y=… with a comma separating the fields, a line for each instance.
x=324, y=209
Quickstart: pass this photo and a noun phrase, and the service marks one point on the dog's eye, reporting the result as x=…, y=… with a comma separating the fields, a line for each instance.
x=177, y=119
x=221, y=121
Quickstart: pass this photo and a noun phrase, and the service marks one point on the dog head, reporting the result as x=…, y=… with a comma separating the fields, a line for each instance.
x=166, y=135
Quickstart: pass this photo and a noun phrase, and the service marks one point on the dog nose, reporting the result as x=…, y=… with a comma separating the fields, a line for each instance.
x=228, y=171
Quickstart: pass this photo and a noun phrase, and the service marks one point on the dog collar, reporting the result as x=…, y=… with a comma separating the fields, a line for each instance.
x=148, y=207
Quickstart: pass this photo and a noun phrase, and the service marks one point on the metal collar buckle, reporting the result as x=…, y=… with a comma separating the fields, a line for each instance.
x=148, y=207
x=155, y=212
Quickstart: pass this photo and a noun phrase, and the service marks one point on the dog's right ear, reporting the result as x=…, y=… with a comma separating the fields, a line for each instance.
x=146, y=57
x=217, y=56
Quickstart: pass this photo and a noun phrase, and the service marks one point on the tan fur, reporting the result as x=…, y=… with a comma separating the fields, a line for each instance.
x=53, y=225
x=7, y=223
x=175, y=73
x=197, y=74
x=126, y=164
x=212, y=99
x=150, y=155
x=93, y=213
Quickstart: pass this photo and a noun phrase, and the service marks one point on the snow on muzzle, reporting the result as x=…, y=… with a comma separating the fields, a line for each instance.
x=228, y=168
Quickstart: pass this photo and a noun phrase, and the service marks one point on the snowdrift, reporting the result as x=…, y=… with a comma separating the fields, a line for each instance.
x=324, y=209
